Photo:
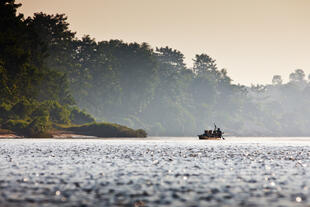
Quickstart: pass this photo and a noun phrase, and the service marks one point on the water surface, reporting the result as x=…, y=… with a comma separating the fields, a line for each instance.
x=157, y=171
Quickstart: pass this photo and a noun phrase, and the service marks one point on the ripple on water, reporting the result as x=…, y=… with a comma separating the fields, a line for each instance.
x=155, y=173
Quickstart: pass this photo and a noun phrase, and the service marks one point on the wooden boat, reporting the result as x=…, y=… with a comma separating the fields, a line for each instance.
x=215, y=134
x=209, y=138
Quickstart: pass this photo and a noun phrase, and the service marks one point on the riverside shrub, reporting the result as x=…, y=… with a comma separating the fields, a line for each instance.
x=107, y=130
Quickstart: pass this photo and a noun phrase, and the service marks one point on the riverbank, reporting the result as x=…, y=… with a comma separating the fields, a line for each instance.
x=4, y=133
x=91, y=130
x=55, y=134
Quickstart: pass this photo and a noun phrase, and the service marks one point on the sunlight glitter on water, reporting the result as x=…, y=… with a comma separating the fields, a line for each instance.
x=155, y=172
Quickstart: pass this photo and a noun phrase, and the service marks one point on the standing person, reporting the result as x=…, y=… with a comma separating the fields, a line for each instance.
x=215, y=131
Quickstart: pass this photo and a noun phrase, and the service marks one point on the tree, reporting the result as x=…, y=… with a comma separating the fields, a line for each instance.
x=204, y=63
x=53, y=52
x=136, y=69
x=172, y=72
x=55, y=38
x=277, y=80
x=297, y=76
x=173, y=58
x=20, y=75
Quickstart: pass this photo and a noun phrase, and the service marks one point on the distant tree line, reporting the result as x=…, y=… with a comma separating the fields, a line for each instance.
x=46, y=71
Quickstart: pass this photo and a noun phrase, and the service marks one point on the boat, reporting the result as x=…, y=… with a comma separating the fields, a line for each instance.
x=209, y=138
x=215, y=134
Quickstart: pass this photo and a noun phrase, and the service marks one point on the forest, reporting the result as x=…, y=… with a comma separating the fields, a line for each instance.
x=49, y=76
x=35, y=83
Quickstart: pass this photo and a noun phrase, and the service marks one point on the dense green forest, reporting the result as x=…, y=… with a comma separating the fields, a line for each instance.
x=35, y=79
x=47, y=73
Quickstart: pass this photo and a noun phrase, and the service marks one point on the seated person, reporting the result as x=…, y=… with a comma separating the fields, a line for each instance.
x=219, y=132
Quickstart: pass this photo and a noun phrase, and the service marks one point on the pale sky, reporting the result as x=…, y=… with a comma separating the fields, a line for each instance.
x=252, y=39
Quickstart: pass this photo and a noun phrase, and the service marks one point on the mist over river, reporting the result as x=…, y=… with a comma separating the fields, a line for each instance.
x=157, y=171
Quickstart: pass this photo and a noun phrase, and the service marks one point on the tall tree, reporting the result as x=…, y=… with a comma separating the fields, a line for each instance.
x=17, y=69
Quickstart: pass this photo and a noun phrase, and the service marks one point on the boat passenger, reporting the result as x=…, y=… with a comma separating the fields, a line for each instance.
x=210, y=133
x=214, y=133
x=219, y=132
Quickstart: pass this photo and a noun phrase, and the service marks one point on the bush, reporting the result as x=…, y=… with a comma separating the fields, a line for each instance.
x=54, y=111
x=22, y=109
x=80, y=117
x=40, y=111
x=39, y=128
x=58, y=113
x=18, y=126
x=4, y=111
x=141, y=133
x=107, y=130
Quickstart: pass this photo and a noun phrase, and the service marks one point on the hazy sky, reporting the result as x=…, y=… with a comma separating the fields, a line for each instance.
x=252, y=39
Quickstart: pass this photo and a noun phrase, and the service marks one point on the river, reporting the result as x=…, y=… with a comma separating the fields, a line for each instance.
x=157, y=171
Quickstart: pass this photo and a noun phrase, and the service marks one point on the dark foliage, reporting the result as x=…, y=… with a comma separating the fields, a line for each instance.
x=80, y=117
x=107, y=130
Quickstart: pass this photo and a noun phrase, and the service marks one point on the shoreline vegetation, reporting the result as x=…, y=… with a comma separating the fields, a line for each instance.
x=91, y=130
x=36, y=96
x=49, y=77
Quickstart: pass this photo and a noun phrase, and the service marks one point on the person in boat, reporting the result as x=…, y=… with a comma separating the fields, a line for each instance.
x=214, y=133
x=219, y=132
x=210, y=133
x=206, y=133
